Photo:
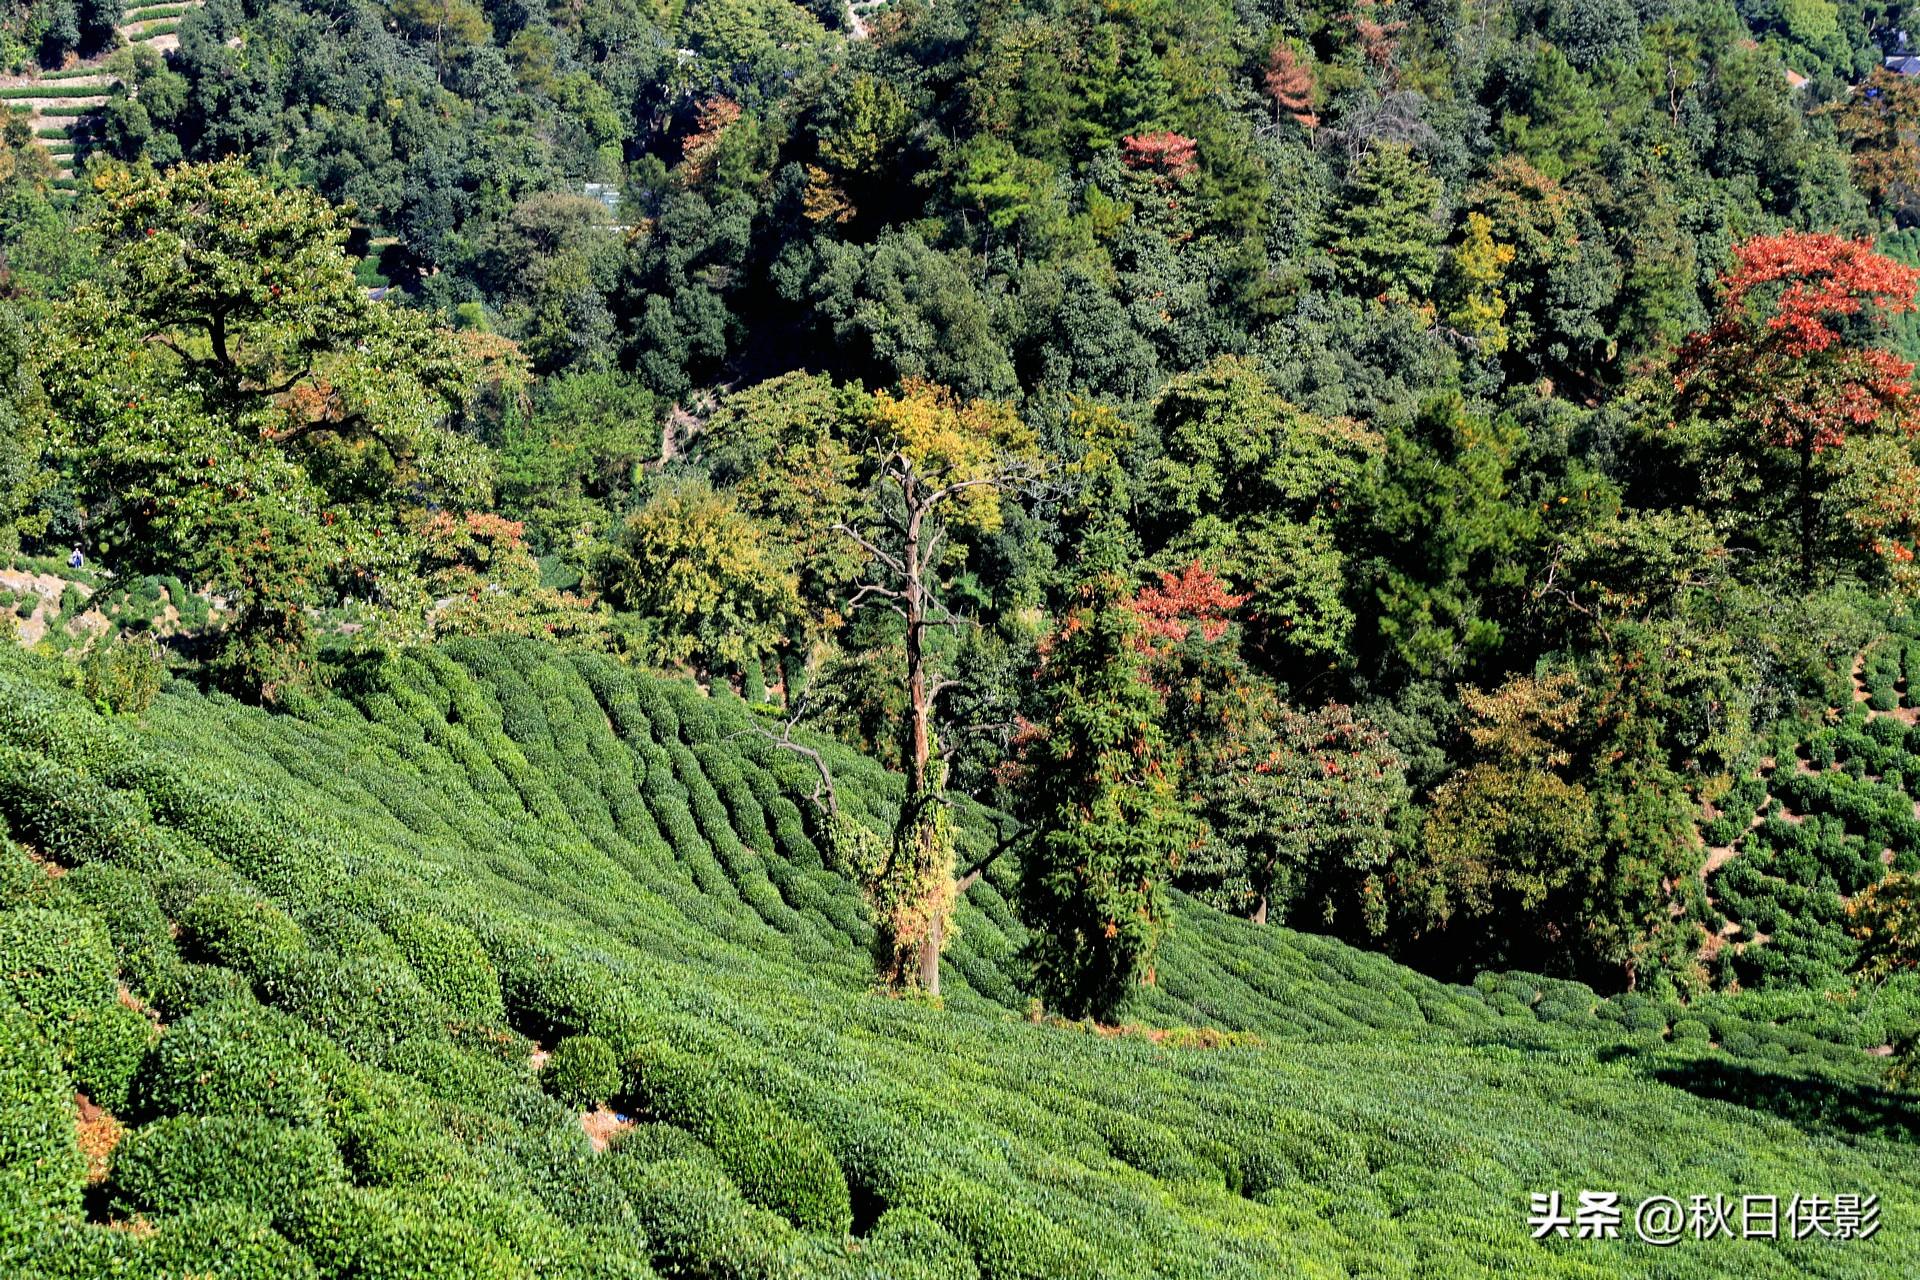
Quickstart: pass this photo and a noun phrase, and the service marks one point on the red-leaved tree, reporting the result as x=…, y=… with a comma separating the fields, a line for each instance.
x=1172, y=154
x=1288, y=80
x=1796, y=413
x=1181, y=604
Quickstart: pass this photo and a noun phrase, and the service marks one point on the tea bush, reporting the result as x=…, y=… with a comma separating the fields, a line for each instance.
x=55, y=965
x=242, y=1241
x=583, y=1072
x=183, y=1161
x=233, y=1059
x=451, y=965
x=355, y=883
x=778, y=1163
x=109, y=1044
x=40, y=1162
x=232, y=928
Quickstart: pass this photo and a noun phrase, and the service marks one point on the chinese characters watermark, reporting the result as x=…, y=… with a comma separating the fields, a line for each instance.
x=1664, y=1220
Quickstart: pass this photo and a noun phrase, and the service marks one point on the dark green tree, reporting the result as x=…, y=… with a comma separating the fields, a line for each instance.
x=1098, y=786
x=23, y=471
x=228, y=404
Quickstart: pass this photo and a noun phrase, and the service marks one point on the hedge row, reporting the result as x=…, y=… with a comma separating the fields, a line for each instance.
x=523, y=802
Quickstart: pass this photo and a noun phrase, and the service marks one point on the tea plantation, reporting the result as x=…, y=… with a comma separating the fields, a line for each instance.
x=324, y=993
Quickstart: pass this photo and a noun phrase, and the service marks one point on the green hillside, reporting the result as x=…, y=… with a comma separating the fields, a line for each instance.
x=302, y=965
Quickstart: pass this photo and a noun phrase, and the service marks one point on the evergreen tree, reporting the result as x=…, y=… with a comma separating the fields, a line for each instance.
x=1098, y=788
x=1382, y=236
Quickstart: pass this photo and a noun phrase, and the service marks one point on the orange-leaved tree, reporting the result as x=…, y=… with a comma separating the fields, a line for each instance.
x=1800, y=421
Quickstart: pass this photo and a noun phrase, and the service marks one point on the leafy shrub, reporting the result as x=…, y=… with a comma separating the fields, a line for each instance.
x=40, y=1162
x=451, y=965
x=778, y=1163
x=379, y=1234
x=55, y=965
x=1723, y=830
x=563, y=1172
x=233, y=1059
x=1007, y=1239
x=697, y=1223
x=582, y=1072
x=646, y=1144
x=364, y=1005
x=109, y=1044
x=121, y=677
x=456, y=1075
x=22, y=882
x=913, y=1238
x=195, y=986
x=252, y=1161
x=389, y=1136
x=243, y=932
x=224, y=1242
x=138, y=930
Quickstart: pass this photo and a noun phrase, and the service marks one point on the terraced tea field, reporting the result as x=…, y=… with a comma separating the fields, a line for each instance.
x=56, y=102
x=341, y=993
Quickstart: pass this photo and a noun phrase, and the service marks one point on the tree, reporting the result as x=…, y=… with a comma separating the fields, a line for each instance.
x=1886, y=921
x=456, y=26
x=1288, y=80
x=1450, y=543
x=23, y=472
x=1252, y=488
x=1302, y=809
x=1879, y=122
x=1097, y=786
x=1298, y=809
x=482, y=580
x=934, y=468
x=1552, y=117
x=1785, y=400
x=898, y=309
x=569, y=470
x=782, y=449
x=1566, y=844
x=1511, y=842
x=227, y=403
x=714, y=583
x=1475, y=292
x=1382, y=235
x=1560, y=279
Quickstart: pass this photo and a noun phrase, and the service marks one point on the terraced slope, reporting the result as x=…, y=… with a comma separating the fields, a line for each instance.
x=301, y=967
x=1831, y=812
x=56, y=101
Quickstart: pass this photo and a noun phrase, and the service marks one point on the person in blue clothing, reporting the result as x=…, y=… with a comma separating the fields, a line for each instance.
x=76, y=560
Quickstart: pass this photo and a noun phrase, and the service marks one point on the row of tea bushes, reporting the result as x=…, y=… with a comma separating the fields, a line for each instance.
x=357, y=923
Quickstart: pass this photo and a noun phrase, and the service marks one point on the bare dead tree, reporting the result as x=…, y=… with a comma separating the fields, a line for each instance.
x=904, y=543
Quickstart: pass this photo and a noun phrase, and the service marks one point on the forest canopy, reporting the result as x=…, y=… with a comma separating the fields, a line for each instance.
x=1430, y=454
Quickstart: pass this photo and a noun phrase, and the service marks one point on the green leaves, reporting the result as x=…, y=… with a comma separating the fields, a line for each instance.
x=232, y=407
x=1097, y=782
x=715, y=582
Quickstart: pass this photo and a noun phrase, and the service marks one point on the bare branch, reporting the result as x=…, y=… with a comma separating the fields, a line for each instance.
x=932, y=556
x=971, y=876
x=871, y=549
x=784, y=741
x=940, y=495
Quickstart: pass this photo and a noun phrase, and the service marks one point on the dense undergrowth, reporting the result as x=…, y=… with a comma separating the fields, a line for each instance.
x=308, y=961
